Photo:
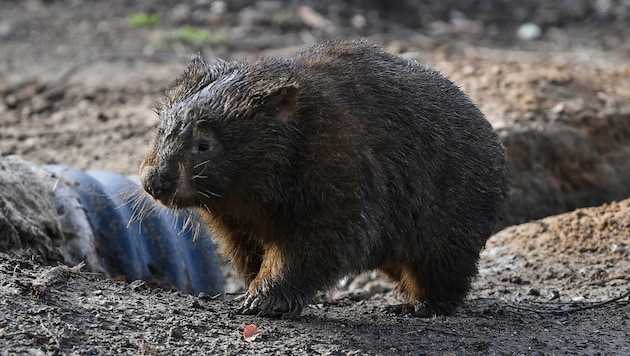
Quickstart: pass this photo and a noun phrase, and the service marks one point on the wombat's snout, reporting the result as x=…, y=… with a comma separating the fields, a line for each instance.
x=154, y=184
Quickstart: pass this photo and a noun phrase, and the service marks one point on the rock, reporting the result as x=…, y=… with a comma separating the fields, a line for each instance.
x=528, y=31
x=28, y=218
x=5, y=29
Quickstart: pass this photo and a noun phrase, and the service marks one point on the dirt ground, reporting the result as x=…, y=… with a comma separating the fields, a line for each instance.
x=78, y=83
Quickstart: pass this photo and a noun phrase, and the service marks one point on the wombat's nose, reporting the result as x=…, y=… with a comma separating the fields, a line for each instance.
x=152, y=184
x=147, y=179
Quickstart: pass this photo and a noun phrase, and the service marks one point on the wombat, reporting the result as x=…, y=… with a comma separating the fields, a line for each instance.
x=339, y=159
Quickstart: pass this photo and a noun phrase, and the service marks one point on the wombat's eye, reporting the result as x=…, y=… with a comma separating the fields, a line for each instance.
x=203, y=147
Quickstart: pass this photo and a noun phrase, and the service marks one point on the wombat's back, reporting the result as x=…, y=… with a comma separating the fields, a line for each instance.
x=408, y=161
x=428, y=161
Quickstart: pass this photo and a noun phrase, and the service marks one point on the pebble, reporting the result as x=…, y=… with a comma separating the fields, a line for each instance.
x=138, y=284
x=528, y=31
x=358, y=21
x=176, y=332
x=5, y=29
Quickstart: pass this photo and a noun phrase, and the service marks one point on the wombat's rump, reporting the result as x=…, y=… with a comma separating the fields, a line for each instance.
x=339, y=159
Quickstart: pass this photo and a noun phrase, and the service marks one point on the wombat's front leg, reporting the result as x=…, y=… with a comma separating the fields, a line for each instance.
x=280, y=289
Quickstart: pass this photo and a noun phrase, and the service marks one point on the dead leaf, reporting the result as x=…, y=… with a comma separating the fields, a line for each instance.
x=250, y=332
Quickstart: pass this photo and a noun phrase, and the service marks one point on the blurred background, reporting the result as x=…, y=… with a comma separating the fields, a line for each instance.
x=39, y=32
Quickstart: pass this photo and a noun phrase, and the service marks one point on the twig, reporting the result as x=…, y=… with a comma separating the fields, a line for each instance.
x=51, y=335
x=571, y=310
x=56, y=275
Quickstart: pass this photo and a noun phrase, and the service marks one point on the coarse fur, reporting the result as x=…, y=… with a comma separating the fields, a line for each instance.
x=339, y=159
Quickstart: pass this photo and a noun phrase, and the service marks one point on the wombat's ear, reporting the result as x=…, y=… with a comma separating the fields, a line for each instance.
x=283, y=100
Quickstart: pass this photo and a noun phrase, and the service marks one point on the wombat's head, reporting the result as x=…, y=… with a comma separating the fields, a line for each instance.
x=222, y=127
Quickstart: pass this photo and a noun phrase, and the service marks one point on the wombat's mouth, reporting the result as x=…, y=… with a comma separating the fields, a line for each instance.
x=166, y=187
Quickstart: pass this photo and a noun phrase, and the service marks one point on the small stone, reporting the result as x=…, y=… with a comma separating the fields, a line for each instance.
x=176, y=332
x=218, y=7
x=529, y=31
x=468, y=70
x=206, y=297
x=5, y=29
x=102, y=117
x=358, y=21
x=396, y=47
x=535, y=292
x=138, y=284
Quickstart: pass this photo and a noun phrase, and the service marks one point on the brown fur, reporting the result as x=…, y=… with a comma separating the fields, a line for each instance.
x=339, y=159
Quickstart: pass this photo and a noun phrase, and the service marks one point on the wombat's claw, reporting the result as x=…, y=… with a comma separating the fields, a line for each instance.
x=247, y=306
x=408, y=309
x=239, y=298
x=253, y=304
x=415, y=308
x=270, y=306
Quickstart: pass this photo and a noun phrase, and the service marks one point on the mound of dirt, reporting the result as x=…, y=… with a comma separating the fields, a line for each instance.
x=577, y=256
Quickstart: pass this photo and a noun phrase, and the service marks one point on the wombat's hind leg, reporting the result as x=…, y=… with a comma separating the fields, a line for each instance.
x=430, y=291
x=422, y=309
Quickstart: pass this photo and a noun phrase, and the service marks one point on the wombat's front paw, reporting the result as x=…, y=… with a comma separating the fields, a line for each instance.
x=273, y=304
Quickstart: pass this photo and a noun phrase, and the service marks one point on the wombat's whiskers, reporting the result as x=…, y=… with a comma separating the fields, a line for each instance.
x=139, y=201
x=200, y=175
x=127, y=195
x=175, y=212
x=190, y=224
x=181, y=182
x=208, y=193
x=202, y=163
x=142, y=206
